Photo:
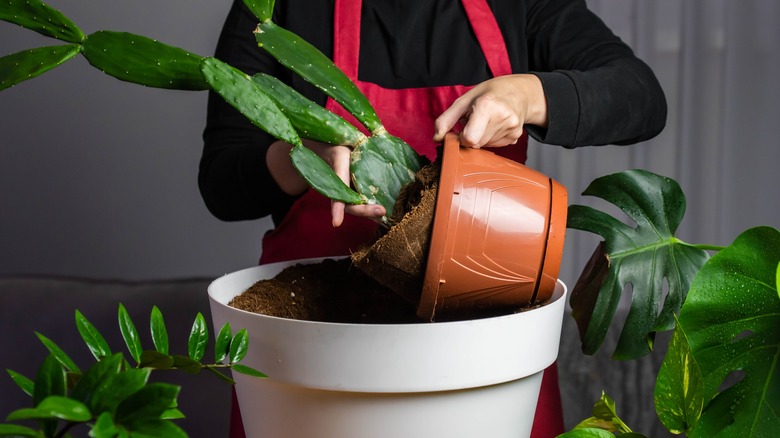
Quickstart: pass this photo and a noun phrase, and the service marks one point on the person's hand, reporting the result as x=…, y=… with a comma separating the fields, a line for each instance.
x=291, y=182
x=495, y=111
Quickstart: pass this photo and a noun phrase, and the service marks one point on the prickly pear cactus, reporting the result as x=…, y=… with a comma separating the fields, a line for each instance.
x=380, y=163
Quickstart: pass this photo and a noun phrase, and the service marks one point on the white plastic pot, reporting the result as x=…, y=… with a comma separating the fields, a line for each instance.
x=477, y=378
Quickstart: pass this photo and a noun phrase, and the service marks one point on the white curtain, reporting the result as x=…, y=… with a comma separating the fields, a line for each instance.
x=718, y=62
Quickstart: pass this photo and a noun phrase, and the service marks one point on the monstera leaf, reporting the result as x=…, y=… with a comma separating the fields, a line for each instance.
x=645, y=255
x=731, y=319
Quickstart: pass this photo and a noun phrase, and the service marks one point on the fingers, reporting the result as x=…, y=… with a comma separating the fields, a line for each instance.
x=449, y=118
x=495, y=111
x=370, y=211
x=338, y=157
x=492, y=127
x=337, y=213
x=492, y=122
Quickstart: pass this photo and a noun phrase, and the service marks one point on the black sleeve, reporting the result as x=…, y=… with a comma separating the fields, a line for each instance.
x=233, y=178
x=598, y=92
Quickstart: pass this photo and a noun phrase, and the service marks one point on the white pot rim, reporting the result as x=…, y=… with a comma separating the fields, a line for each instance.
x=415, y=357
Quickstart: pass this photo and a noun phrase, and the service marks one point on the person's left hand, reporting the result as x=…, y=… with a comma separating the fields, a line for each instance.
x=495, y=111
x=338, y=158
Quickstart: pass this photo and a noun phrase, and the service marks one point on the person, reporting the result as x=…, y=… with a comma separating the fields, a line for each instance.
x=494, y=71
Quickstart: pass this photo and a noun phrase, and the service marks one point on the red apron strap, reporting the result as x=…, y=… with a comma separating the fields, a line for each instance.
x=485, y=26
x=346, y=35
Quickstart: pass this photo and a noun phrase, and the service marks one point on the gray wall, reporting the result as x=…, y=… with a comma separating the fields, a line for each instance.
x=98, y=176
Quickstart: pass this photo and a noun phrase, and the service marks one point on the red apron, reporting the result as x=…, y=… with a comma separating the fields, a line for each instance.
x=306, y=230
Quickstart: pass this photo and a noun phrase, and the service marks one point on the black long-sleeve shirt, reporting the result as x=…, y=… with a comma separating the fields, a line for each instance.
x=597, y=91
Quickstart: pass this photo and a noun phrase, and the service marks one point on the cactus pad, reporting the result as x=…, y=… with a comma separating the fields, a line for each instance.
x=144, y=61
x=28, y=64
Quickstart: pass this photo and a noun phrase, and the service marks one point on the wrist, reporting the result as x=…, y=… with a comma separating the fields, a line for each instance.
x=537, y=101
x=282, y=170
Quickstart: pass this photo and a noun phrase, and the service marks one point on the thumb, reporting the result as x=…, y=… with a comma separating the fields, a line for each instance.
x=447, y=120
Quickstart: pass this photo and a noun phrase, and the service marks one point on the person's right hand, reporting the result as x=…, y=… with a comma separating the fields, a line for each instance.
x=291, y=182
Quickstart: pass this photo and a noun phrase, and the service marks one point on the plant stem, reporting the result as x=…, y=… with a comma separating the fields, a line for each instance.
x=69, y=425
x=706, y=247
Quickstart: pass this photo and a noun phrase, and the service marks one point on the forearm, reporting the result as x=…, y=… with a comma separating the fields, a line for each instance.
x=598, y=91
x=620, y=102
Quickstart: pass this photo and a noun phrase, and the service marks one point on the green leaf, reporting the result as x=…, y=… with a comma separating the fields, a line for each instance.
x=731, y=319
x=245, y=95
x=95, y=341
x=307, y=61
x=104, y=427
x=222, y=346
x=115, y=388
x=141, y=60
x=27, y=64
x=58, y=354
x=17, y=431
x=309, y=119
x=381, y=166
x=130, y=334
x=238, y=346
x=42, y=18
x=159, y=332
x=604, y=417
x=155, y=359
x=156, y=429
x=587, y=433
x=678, y=389
x=645, y=255
x=54, y=407
x=149, y=403
x=50, y=380
x=199, y=338
x=249, y=371
x=778, y=280
x=88, y=385
x=321, y=177
x=172, y=414
x=186, y=364
x=22, y=382
x=263, y=9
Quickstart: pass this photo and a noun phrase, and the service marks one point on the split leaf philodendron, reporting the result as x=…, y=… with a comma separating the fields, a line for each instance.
x=728, y=305
x=380, y=164
x=643, y=255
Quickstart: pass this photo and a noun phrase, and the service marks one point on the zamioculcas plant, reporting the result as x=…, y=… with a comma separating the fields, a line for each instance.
x=113, y=397
x=380, y=163
x=728, y=305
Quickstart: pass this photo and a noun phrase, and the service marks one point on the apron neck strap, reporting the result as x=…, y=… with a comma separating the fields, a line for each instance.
x=346, y=36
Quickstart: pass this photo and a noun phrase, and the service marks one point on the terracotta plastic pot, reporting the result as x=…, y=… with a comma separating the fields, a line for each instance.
x=498, y=233
x=462, y=379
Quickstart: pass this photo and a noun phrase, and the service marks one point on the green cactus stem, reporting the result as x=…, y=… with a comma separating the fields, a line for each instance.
x=240, y=91
x=307, y=61
x=142, y=60
x=321, y=177
x=42, y=18
x=310, y=120
x=381, y=166
x=28, y=64
x=263, y=9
